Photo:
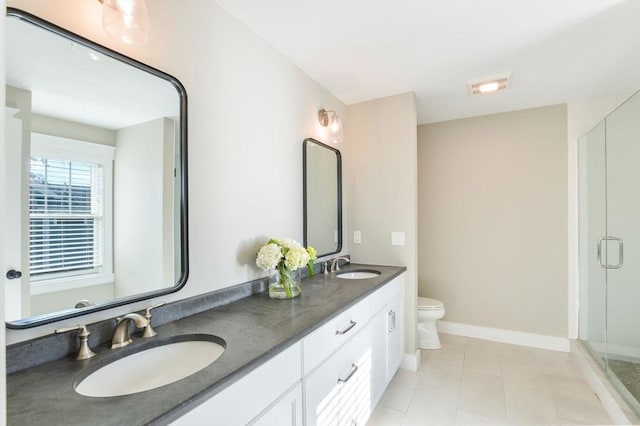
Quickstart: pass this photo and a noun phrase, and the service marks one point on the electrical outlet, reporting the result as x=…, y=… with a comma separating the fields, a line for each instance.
x=357, y=237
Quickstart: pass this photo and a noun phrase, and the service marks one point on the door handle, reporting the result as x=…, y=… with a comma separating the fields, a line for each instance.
x=620, y=252
x=12, y=274
x=599, y=252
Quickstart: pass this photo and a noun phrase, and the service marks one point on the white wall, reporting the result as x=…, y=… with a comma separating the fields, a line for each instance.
x=493, y=219
x=249, y=111
x=138, y=208
x=382, y=190
x=45, y=303
x=71, y=130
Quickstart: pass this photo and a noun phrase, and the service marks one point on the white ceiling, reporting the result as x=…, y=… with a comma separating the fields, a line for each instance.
x=556, y=50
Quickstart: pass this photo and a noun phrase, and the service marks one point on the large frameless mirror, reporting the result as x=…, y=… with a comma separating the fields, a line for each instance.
x=322, y=174
x=96, y=203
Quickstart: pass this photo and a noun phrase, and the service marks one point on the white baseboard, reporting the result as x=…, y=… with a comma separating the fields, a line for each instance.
x=505, y=336
x=411, y=362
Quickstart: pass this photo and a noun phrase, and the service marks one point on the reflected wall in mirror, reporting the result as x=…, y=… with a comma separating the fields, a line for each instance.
x=322, y=176
x=96, y=195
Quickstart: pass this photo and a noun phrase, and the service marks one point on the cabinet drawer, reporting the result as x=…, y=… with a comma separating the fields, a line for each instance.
x=339, y=389
x=386, y=294
x=325, y=340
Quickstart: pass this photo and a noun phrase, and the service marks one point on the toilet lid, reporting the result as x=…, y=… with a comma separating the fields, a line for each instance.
x=426, y=304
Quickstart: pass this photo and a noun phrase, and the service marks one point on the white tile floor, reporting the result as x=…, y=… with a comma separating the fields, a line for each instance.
x=471, y=381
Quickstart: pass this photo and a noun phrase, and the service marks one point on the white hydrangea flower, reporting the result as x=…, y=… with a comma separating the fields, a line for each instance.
x=269, y=256
x=296, y=257
x=289, y=244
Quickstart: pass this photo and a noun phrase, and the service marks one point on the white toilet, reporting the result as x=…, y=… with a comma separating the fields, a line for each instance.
x=429, y=311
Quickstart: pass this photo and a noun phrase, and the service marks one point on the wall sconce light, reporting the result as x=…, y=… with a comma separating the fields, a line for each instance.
x=125, y=20
x=332, y=122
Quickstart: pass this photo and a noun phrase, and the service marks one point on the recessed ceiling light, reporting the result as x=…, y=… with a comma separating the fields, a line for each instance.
x=488, y=85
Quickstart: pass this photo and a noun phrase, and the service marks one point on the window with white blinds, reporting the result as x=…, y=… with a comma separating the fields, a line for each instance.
x=65, y=216
x=70, y=209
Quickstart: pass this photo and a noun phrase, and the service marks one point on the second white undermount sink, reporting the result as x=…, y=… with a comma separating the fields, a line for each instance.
x=358, y=275
x=151, y=368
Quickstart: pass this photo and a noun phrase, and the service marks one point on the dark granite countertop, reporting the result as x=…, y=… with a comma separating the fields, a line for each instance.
x=254, y=328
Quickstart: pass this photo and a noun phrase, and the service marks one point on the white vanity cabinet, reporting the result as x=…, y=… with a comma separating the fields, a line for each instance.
x=268, y=392
x=333, y=376
x=343, y=388
x=387, y=323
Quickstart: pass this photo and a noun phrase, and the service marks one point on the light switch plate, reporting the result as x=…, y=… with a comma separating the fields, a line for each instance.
x=357, y=237
x=397, y=238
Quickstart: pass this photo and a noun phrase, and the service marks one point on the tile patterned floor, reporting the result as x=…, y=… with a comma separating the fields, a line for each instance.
x=477, y=382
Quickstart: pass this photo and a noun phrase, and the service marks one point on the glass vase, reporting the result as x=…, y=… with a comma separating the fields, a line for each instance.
x=284, y=283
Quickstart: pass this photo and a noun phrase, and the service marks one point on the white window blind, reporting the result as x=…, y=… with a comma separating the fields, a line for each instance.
x=65, y=216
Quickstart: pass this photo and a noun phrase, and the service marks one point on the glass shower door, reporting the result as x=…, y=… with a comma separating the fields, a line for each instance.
x=623, y=248
x=593, y=227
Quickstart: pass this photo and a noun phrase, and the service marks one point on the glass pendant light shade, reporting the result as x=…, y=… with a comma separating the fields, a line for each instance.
x=333, y=124
x=336, y=134
x=126, y=20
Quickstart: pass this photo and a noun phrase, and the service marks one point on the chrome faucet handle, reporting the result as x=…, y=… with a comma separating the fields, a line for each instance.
x=148, y=330
x=85, y=351
x=325, y=267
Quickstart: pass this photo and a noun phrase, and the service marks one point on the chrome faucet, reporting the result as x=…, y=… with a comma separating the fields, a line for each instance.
x=121, y=332
x=335, y=265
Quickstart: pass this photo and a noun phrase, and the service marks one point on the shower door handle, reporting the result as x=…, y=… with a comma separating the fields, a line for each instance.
x=620, y=252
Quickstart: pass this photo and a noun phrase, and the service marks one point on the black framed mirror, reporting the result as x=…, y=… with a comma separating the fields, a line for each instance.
x=96, y=144
x=322, y=195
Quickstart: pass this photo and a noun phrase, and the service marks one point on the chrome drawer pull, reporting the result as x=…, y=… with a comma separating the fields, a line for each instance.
x=351, y=324
x=353, y=370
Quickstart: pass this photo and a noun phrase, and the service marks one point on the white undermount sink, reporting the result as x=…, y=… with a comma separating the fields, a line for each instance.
x=150, y=368
x=357, y=275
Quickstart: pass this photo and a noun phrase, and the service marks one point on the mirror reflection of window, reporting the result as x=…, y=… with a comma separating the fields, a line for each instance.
x=70, y=219
x=64, y=217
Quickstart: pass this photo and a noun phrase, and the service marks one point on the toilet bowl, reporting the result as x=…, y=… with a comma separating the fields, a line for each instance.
x=429, y=311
